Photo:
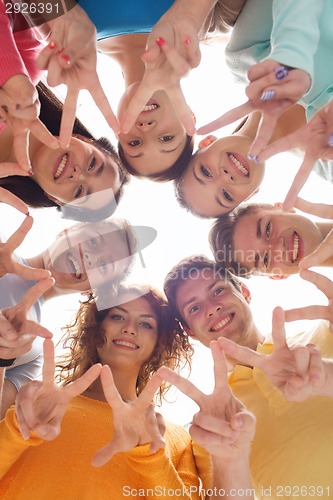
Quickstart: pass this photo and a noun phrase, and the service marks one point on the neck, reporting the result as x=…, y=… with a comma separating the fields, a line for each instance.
x=125, y=384
x=127, y=51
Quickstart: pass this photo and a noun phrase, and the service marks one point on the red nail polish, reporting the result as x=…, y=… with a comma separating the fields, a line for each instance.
x=27, y=214
x=66, y=59
x=160, y=41
x=59, y=51
x=52, y=45
x=187, y=40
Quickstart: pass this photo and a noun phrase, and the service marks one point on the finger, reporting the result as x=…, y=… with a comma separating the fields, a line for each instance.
x=229, y=117
x=284, y=144
x=318, y=209
x=103, y=104
x=147, y=395
x=135, y=106
x=7, y=169
x=309, y=312
x=243, y=421
x=153, y=428
x=49, y=364
x=80, y=385
x=54, y=72
x=10, y=198
x=302, y=359
x=322, y=253
x=68, y=117
x=35, y=292
x=105, y=454
x=185, y=386
x=18, y=237
x=299, y=181
x=278, y=329
x=30, y=273
x=212, y=423
x=47, y=53
x=182, y=109
x=38, y=129
x=47, y=431
x=220, y=366
x=242, y=354
x=323, y=283
x=34, y=328
x=316, y=367
x=176, y=61
x=264, y=133
x=21, y=149
x=112, y=396
x=23, y=426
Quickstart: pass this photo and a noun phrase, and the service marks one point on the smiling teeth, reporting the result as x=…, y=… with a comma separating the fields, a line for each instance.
x=126, y=344
x=150, y=107
x=61, y=166
x=296, y=246
x=238, y=164
x=75, y=265
x=221, y=323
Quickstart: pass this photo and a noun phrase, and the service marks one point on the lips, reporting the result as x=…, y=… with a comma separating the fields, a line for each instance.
x=223, y=322
x=295, y=248
x=125, y=344
x=239, y=164
x=150, y=106
x=61, y=165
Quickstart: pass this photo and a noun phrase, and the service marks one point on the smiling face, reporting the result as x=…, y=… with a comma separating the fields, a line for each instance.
x=219, y=177
x=85, y=257
x=69, y=174
x=157, y=138
x=273, y=242
x=131, y=334
x=213, y=308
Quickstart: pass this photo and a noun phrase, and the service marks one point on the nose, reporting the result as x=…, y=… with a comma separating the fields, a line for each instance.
x=227, y=175
x=77, y=174
x=145, y=125
x=88, y=260
x=129, y=328
x=213, y=309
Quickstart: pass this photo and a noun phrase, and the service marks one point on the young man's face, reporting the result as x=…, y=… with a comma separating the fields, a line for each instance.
x=272, y=241
x=213, y=308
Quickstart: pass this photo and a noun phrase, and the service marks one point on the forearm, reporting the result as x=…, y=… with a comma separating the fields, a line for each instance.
x=232, y=478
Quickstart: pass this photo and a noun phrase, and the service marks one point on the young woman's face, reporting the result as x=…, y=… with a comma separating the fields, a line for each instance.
x=69, y=174
x=219, y=177
x=131, y=334
x=87, y=256
x=274, y=242
x=157, y=138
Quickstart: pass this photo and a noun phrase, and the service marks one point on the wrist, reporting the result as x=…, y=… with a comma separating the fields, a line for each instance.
x=6, y=362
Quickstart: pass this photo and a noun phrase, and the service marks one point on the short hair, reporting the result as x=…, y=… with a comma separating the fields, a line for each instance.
x=84, y=335
x=171, y=173
x=185, y=269
x=221, y=237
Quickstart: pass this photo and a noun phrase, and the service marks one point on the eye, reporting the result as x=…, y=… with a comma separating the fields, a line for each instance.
x=205, y=172
x=117, y=317
x=194, y=309
x=103, y=267
x=134, y=143
x=268, y=229
x=146, y=325
x=218, y=291
x=93, y=242
x=79, y=191
x=227, y=196
x=166, y=138
x=92, y=164
x=266, y=260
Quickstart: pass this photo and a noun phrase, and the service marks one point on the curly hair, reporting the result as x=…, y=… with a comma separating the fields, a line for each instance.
x=85, y=334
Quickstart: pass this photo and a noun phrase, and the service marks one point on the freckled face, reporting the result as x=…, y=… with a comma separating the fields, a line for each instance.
x=213, y=308
x=69, y=174
x=157, y=138
x=131, y=334
x=219, y=177
x=273, y=241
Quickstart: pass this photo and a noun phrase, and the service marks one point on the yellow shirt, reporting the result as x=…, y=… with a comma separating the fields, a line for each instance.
x=292, y=451
x=61, y=469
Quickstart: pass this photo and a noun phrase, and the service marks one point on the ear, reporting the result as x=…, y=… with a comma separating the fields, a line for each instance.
x=278, y=276
x=52, y=198
x=246, y=293
x=207, y=141
x=252, y=194
x=187, y=330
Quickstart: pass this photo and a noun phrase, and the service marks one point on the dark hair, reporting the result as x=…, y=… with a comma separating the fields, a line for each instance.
x=188, y=268
x=84, y=335
x=171, y=173
x=51, y=110
x=222, y=233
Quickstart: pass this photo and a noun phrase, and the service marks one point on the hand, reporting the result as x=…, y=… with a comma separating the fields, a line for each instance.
x=314, y=138
x=41, y=405
x=19, y=108
x=70, y=58
x=323, y=284
x=135, y=422
x=223, y=426
x=17, y=333
x=8, y=264
x=6, y=196
x=293, y=371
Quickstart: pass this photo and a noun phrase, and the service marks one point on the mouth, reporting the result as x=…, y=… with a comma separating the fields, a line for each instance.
x=150, y=106
x=239, y=164
x=126, y=344
x=61, y=166
x=221, y=324
x=296, y=248
x=74, y=266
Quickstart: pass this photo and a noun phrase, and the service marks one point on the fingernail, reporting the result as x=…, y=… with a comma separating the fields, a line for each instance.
x=267, y=95
x=52, y=45
x=27, y=214
x=160, y=41
x=66, y=59
x=253, y=158
x=330, y=140
x=59, y=51
x=187, y=40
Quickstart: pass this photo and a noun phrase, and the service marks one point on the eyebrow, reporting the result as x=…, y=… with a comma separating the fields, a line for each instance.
x=161, y=151
x=259, y=228
x=141, y=315
x=217, y=199
x=194, y=299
